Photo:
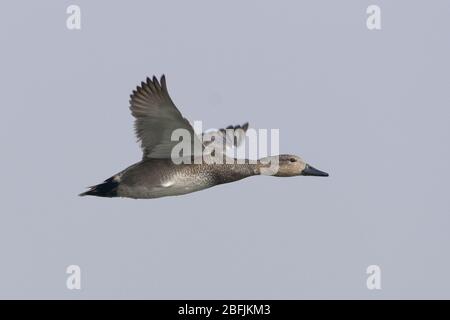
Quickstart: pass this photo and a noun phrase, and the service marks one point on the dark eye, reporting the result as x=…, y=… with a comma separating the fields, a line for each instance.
x=292, y=160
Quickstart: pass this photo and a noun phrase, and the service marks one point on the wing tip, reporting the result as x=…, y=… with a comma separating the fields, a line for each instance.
x=151, y=86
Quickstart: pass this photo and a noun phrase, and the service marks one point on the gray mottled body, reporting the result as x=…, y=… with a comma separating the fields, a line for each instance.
x=154, y=178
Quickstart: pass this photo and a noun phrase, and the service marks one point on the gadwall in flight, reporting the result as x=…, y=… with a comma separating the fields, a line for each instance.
x=159, y=174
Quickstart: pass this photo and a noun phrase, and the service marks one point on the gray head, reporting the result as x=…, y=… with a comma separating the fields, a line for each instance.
x=287, y=165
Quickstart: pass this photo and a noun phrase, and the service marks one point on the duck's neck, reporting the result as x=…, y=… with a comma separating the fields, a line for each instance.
x=238, y=170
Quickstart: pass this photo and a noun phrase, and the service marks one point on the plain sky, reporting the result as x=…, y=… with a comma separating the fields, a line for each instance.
x=369, y=107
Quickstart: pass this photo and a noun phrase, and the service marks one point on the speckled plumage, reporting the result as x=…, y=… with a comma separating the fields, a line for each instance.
x=154, y=178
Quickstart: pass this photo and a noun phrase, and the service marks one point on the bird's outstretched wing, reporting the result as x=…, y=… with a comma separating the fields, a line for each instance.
x=156, y=118
x=229, y=137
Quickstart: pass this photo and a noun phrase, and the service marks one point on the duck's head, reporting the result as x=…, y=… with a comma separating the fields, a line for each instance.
x=287, y=165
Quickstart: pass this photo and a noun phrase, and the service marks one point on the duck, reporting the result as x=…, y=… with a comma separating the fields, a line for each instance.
x=160, y=174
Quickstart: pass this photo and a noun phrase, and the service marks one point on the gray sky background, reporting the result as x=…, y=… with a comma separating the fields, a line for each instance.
x=369, y=107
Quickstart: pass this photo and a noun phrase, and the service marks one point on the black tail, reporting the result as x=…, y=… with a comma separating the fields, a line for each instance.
x=105, y=189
